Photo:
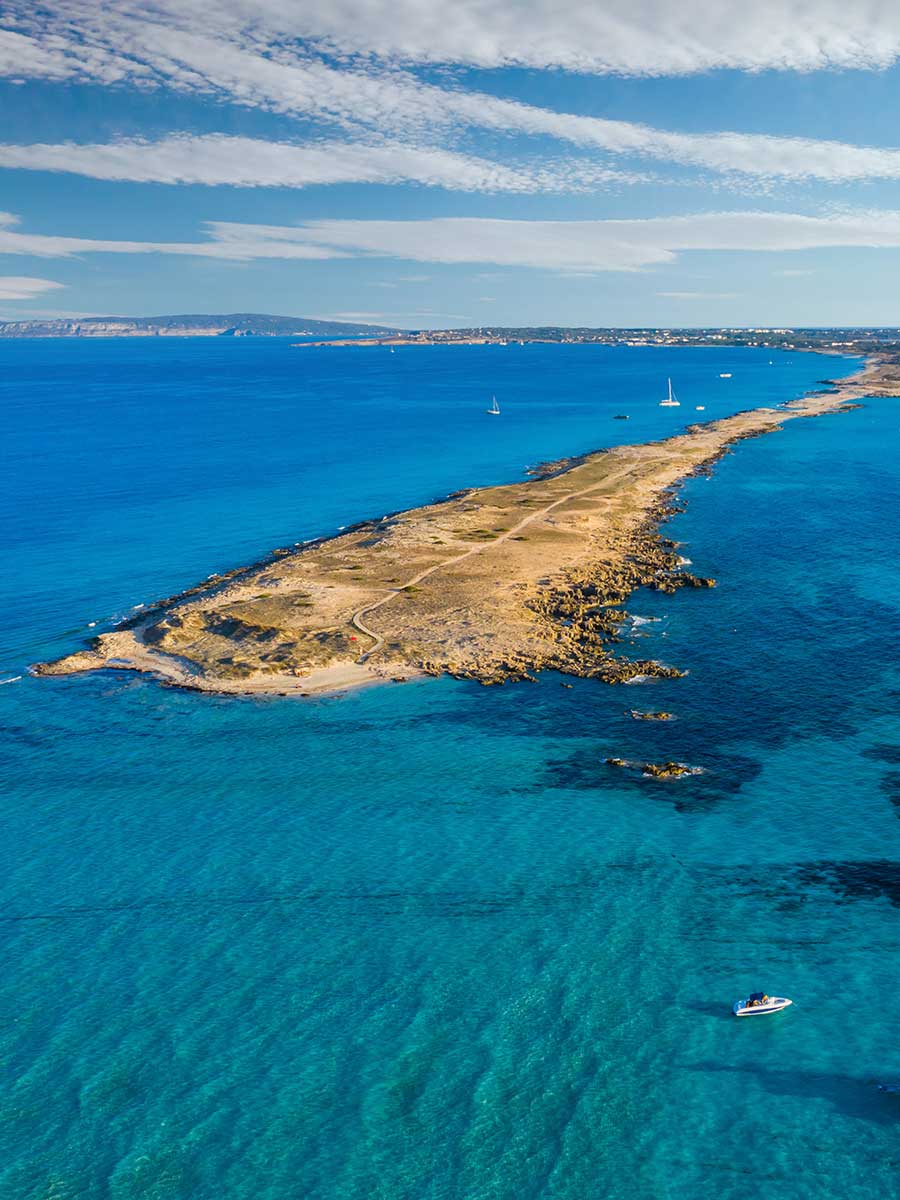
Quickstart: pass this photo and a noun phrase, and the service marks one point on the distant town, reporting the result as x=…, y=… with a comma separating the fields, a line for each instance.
x=835, y=341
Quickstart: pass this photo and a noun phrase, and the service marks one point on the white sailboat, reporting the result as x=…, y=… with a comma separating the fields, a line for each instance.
x=494, y=410
x=670, y=401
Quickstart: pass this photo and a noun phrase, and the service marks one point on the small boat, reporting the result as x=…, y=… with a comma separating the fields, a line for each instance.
x=621, y=417
x=724, y=374
x=758, y=1004
x=670, y=401
x=701, y=407
x=494, y=410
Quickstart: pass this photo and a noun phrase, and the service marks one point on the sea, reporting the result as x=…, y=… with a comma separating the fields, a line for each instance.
x=419, y=941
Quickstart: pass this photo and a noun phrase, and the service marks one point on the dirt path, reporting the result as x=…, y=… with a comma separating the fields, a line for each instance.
x=378, y=641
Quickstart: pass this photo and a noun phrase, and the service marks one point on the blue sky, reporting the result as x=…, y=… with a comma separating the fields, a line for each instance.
x=492, y=162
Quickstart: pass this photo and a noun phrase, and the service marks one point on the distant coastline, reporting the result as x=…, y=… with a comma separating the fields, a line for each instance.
x=832, y=341
x=318, y=333
x=188, y=325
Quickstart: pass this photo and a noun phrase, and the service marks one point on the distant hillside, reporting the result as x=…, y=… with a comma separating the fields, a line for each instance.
x=190, y=325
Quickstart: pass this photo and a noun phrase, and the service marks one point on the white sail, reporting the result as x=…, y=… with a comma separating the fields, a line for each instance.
x=670, y=401
x=494, y=410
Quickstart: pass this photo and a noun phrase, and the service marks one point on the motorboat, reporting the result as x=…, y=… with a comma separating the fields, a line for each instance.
x=700, y=407
x=758, y=1004
x=724, y=374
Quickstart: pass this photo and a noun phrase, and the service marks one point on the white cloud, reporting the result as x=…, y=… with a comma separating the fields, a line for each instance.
x=646, y=37
x=699, y=295
x=393, y=316
x=19, y=287
x=247, y=53
x=229, y=245
x=215, y=159
x=609, y=245
x=571, y=246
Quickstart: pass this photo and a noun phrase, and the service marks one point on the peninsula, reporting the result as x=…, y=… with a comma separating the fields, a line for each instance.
x=187, y=325
x=493, y=583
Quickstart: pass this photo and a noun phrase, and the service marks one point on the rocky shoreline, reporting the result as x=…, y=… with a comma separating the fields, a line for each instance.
x=491, y=584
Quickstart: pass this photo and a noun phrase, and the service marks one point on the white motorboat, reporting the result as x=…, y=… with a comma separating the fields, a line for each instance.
x=700, y=407
x=670, y=400
x=724, y=374
x=758, y=1004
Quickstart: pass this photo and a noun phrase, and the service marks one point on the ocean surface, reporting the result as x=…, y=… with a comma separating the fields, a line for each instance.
x=419, y=942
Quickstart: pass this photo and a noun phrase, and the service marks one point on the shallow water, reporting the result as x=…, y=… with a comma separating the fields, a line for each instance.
x=420, y=941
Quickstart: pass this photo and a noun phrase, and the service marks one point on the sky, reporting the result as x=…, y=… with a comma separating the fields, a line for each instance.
x=486, y=163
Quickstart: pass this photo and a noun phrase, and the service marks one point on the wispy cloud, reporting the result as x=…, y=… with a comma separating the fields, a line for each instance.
x=216, y=159
x=426, y=315
x=699, y=295
x=606, y=245
x=571, y=246
x=18, y=287
x=249, y=55
x=227, y=243
x=648, y=37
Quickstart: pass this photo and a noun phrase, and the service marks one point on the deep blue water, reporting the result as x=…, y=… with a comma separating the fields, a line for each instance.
x=419, y=941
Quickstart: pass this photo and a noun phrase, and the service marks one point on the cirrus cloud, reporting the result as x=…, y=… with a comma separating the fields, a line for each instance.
x=249, y=55
x=23, y=287
x=215, y=159
x=568, y=246
x=648, y=37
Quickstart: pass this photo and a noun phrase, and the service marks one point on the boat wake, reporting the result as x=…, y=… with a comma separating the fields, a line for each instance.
x=15, y=679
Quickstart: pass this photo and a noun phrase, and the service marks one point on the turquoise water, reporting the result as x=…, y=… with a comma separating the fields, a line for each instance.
x=419, y=941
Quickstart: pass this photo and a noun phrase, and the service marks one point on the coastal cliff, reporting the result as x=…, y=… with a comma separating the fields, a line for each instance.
x=492, y=584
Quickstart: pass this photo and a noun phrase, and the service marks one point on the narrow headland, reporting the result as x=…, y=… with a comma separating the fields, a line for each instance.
x=491, y=584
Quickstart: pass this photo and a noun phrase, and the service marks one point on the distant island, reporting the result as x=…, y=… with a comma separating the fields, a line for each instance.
x=493, y=583
x=190, y=325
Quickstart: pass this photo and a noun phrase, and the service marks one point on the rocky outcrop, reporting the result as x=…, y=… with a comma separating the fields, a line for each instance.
x=668, y=770
x=664, y=770
x=670, y=583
